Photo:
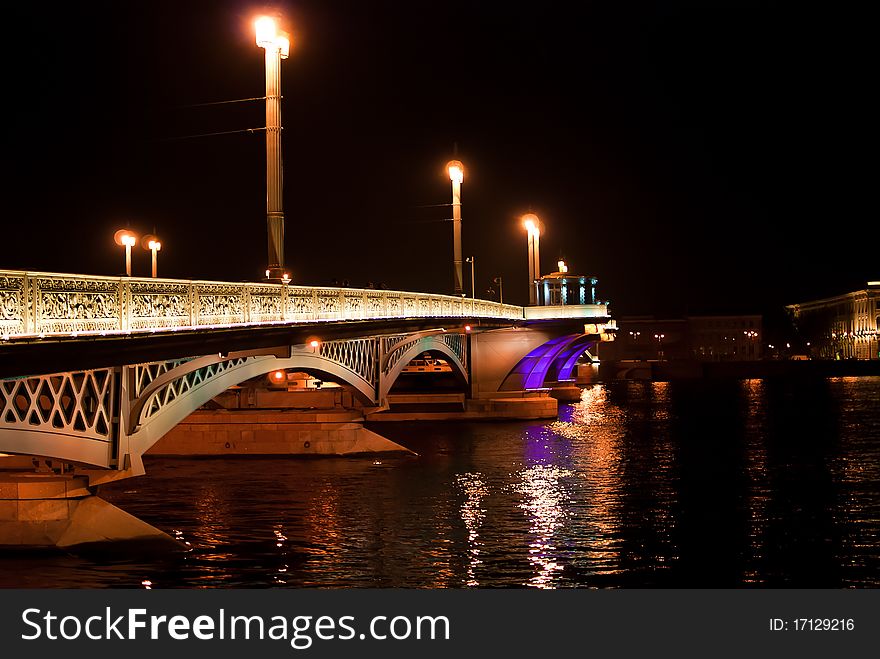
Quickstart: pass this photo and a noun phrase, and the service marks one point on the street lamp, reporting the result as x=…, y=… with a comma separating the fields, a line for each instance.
x=471, y=260
x=456, y=175
x=533, y=227
x=153, y=244
x=497, y=280
x=128, y=239
x=277, y=47
x=751, y=335
x=660, y=338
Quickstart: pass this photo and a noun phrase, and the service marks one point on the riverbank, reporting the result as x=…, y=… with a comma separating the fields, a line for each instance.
x=739, y=370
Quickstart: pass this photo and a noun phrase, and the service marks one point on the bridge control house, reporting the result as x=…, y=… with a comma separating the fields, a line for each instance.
x=562, y=288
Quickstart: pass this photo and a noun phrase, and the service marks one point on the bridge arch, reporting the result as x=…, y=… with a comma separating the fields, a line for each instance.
x=452, y=347
x=554, y=359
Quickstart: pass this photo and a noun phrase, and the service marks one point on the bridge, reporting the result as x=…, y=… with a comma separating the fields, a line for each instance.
x=95, y=370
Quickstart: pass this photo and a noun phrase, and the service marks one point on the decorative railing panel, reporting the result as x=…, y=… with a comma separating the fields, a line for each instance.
x=13, y=305
x=357, y=355
x=78, y=403
x=158, y=305
x=34, y=303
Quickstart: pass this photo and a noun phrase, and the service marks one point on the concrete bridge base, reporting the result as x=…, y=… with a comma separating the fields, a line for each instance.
x=57, y=510
x=507, y=406
x=273, y=432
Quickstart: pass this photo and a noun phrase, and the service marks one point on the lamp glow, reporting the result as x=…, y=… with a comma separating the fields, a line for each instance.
x=127, y=239
x=456, y=171
x=266, y=31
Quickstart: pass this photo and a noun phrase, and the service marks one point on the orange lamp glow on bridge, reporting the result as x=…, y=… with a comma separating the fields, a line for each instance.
x=277, y=46
x=533, y=226
x=127, y=239
x=456, y=171
x=456, y=175
x=153, y=244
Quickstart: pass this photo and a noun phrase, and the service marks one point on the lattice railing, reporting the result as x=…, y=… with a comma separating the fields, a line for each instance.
x=78, y=403
x=357, y=355
x=35, y=303
x=145, y=374
x=458, y=345
x=395, y=347
x=178, y=387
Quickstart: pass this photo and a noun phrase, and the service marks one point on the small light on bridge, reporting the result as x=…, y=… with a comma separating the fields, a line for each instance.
x=467, y=328
x=315, y=343
x=146, y=583
x=286, y=278
x=278, y=376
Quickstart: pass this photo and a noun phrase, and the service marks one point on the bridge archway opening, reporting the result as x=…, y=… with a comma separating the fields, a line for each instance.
x=296, y=381
x=430, y=371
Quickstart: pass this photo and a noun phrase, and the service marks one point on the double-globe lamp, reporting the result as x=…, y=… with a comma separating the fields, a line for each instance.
x=129, y=239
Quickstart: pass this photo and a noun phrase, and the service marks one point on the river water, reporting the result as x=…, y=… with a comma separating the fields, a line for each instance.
x=767, y=483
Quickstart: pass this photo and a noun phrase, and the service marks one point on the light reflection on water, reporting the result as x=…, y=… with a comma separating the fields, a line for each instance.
x=700, y=484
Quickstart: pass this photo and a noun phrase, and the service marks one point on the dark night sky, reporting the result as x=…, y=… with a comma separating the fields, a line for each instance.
x=695, y=156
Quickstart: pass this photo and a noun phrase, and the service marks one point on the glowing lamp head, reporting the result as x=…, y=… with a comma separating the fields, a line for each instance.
x=562, y=267
x=531, y=223
x=467, y=328
x=155, y=245
x=456, y=171
x=282, y=41
x=266, y=31
x=278, y=376
x=124, y=237
x=315, y=343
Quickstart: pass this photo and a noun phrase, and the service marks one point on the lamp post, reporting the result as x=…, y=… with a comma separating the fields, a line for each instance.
x=751, y=335
x=660, y=338
x=128, y=240
x=456, y=175
x=277, y=47
x=153, y=244
x=470, y=260
x=497, y=280
x=533, y=227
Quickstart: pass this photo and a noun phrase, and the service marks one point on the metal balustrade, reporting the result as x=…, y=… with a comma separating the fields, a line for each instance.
x=44, y=303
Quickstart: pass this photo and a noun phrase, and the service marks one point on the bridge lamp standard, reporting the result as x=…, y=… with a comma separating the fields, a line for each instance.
x=456, y=175
x=128, y=240
x=153, y=244
x=660, y=338
x=277, y=47
x=533, y=226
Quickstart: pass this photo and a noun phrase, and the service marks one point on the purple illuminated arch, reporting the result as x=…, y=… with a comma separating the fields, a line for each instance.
x=556, y=358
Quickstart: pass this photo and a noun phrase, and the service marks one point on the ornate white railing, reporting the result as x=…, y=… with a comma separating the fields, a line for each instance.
x=45, y=303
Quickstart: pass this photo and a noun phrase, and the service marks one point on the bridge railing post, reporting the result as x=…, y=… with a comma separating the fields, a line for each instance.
x=193, y=303
x=27, y=295
x=124, y=304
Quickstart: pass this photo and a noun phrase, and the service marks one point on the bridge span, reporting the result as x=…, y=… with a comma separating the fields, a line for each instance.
x=95, y=370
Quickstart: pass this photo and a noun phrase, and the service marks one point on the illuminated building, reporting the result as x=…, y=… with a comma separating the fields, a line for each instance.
x=842, y=327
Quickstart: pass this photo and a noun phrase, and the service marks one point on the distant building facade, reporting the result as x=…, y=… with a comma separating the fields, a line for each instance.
x=699, y=338
x=842, y=327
